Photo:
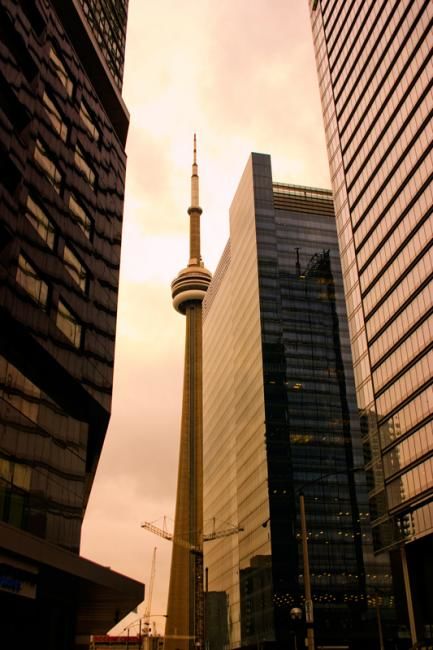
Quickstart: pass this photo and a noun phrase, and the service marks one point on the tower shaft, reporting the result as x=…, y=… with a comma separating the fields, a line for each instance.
x=185, y=615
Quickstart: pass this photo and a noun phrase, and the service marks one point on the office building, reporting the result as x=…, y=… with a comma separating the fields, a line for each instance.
x=63, y=127
x=374, y=62
x=184, y=628
x=280, y=417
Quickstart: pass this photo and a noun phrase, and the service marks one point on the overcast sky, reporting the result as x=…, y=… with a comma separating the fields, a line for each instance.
x=241, y=74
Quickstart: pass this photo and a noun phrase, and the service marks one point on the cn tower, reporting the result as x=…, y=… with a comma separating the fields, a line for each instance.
x=185, y=615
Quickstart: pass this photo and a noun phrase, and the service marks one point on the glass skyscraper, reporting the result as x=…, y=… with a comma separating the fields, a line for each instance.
x=374, y=62
x=280, y=417
x=63, y=127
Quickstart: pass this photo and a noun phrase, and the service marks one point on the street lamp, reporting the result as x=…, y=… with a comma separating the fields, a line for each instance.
x=296, y=616
x=309, y=615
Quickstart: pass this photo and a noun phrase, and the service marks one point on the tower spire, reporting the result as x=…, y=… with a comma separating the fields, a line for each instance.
x=194, y=212
x=194, y=178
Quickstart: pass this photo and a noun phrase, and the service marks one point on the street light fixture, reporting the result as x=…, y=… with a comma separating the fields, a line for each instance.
x=296, y=616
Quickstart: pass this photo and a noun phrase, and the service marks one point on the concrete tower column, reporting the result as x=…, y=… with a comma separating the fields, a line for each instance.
x=185, y=610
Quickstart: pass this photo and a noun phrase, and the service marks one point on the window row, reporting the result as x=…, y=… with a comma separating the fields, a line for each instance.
x=417, y=375
x=400, y=104
x=337, y=29
x=394, y=272
x=385, y=239
x=345, y=64
x=409, y=349
x=419, y=443
x=387, y=63
x=391, y=207
x=411, y=484
x=419, y=408
x=419, y=274
x=386, y=100
x=413, y=312
x=404, y=155
x=390, y=156
x=419, y=521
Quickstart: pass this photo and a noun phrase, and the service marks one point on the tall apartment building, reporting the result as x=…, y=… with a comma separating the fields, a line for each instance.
x=374, y=62
x=63, y=127
x=280, y=417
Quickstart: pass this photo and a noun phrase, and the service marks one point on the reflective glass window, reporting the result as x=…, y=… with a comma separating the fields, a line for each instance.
x=55, y=116
x=69, y=324
x=45, y=160
x=40, y=221
x=75, y=268
x=88, y=121
x=83, y=166
x=61, y=71
x=82, y=218
x=28, y=278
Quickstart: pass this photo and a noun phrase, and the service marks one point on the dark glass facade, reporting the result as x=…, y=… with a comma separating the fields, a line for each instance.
x=62, y=164
x=374, y=65
x=280, y=417
x=107, y=21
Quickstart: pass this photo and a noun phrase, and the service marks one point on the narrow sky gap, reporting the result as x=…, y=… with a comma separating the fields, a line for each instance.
x=241, y=75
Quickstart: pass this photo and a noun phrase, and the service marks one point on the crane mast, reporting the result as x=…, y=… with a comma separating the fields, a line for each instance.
x=147, y=611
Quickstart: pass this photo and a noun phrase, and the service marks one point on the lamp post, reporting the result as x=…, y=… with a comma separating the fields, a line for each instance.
x=309, y=615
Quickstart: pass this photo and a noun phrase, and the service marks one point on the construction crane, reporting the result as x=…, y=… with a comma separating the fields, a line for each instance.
x=146, y=616
x=215, y=534
x=198, y=553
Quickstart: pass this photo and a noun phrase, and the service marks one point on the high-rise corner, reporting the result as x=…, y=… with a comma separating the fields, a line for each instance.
x=63, y=128
x=374, y=62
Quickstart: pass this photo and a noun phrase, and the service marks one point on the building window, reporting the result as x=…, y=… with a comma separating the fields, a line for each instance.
x=69, y=324
x=55, y=116
x=89, y=122
x=81, y=216
x=29, y=280
x=40, y=222
x=76, y=270
x=44, y=160
x=84, y=166
x=15, y=482
x=61, y=72
x=19, y=391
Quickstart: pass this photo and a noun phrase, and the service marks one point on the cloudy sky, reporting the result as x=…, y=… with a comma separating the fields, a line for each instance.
x=241, y=74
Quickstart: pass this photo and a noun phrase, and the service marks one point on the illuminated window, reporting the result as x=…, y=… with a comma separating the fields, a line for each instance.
x=51, y=171
x=84, y=166
x=75, y=269
x=81, y=216
x=61, y=72
x=69, y=324
x=88, y=121
x=29, y=280
x=55, y=116
x=40, y=222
